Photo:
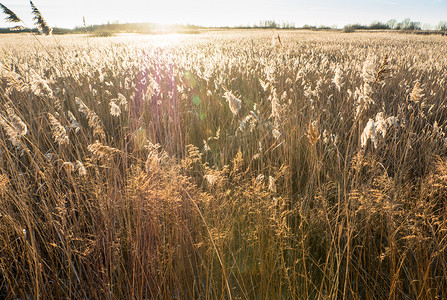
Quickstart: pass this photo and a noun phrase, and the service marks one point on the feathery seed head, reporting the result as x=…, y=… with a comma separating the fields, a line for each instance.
x=15, y=129
x=115, y=110
x=211, y=179
x=337, y=78
x=416, y=94
x=102, y=151
x=40, y=22
x=122, y=101
x=368, y=70
x=73, y=122
x=259, y=179
x=369, y=132
x=11, y=16
x=59, y=133
x=80, y=168
x=93, y=120
x=381, y=124
x=233, y=102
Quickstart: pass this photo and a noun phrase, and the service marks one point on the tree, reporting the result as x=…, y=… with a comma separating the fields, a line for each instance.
x=392, y=23
x=407, y=24
x=288, y=25
x=442, y=26
x=268, y=24
x=378, y=25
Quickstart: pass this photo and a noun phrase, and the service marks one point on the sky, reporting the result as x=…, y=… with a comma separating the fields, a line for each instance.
x=68, y=14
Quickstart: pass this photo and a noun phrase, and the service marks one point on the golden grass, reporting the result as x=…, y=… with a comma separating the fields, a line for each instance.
x=222, y=166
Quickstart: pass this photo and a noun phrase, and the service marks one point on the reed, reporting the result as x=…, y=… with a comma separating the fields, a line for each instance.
x=324, y=178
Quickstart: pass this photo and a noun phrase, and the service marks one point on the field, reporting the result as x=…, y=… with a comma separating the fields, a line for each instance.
x=223, y=165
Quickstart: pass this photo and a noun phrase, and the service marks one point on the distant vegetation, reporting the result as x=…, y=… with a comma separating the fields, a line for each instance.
x=136, y=28
x=392, y=24
x=112, y=28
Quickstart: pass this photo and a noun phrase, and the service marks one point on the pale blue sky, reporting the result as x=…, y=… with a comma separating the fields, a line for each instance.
x=64, y=13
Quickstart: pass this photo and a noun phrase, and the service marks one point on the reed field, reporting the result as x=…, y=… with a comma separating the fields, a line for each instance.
x=223, y=165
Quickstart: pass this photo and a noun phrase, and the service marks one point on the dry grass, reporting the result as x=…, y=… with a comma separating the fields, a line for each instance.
x=224, y=166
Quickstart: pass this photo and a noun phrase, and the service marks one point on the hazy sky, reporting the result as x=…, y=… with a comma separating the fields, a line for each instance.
x=64, y=13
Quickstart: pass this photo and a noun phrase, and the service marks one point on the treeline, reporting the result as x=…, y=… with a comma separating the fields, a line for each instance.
x=56, y=30
x=153, y=28
x=274, y=24
x=393, y=24
x=112, y=28
x=134, y=27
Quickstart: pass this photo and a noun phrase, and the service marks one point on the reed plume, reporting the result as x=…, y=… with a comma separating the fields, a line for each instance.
x=82, y=171
x=337, y=78
x=59, y=133
x=233, y=102
x=383, y=71
x=102, y=151
x=313, y=133
x=11, y=16
x=39, y=86
x=123, y=101
x=369, y=132
x=416, y=94
x=85, y=25
x=93, y=120
x=40, y=22
x=115, y=110
x=15, y=128
x=73, y=122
